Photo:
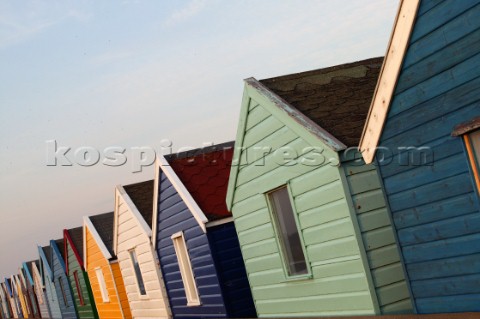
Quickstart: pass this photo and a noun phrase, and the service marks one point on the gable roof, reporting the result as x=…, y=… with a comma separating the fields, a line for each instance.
x=27, y=267
x=47, y=250
x=74, y=237
x=204, y=172
x=58, y=248
x=397, y=47
x=141, y=195
x=336, y=98
x=102, y=231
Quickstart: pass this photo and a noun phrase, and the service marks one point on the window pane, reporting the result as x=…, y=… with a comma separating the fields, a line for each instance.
x=138, y=273
x=288, y=232
x=102, y=284
x=475, y=141
x=186, y=270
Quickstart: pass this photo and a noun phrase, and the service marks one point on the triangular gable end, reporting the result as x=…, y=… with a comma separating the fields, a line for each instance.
x=27, y=272
x=56, y=251
x=388, y=77
x=45, y=261
x=87, y=224
x=69, y=242
x=162, y=164
x=121, y=193
x=285, y=113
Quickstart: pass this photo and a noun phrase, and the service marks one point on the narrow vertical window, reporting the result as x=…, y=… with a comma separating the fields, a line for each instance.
x=138, y=273
x=62, y=289
x=102, y=285
x=472, y=141
x=79, y=288
x=186, y=269
x=286, y=227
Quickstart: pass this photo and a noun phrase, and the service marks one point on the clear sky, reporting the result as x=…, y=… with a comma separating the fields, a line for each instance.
x=133, y=73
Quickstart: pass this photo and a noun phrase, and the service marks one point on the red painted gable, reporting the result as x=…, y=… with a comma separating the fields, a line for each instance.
x=206, y=178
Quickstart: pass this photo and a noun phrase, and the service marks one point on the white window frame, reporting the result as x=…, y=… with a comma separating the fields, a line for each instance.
x=186, y=271
x=141, y=296
x=102, y=285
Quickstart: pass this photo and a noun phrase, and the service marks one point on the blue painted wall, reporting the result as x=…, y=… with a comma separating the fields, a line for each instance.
x=174, y=216
x=436, y=207
x=52, y=300
x=231, y=271
x=58, y=265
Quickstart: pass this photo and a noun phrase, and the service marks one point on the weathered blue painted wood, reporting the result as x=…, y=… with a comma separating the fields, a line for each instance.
x=229, y=262
x=435, y=207
x=62, y=285
x=174, y=216
x=45, y=254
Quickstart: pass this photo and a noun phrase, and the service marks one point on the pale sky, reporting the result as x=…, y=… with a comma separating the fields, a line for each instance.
x=133, y=73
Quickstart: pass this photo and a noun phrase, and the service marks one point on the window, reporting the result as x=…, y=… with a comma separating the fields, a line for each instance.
x=472, y=141
x=186, y=269
x=287, y=231
x=79, y=289
x=62, y=289
x=102, y=285
x=138, y=273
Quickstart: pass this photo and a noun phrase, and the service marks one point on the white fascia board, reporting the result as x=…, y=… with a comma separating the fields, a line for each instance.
x=87, y=223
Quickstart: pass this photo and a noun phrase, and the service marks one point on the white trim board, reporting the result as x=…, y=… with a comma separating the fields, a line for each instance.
x=388, y=77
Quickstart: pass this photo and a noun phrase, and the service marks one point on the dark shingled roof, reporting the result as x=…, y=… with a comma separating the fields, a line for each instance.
x=336, y=98
x=103, y=224
x=141, y=195
x=204, y=172
x=60, y=247
x=76, y=234
x=48, y=254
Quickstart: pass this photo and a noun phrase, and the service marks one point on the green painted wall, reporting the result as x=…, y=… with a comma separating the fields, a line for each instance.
x=88, y=310
x=368, y=202
x=340, y=282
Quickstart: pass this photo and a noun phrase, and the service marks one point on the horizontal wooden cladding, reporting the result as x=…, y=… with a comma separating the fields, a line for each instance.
x=338, y=283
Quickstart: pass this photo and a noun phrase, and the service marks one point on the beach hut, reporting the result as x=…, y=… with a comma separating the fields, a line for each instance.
x=11, y=298
x=62, y=285
x=17, y=290
x=195, y=236
x=29, y=311
x=45, y=254
x=103, y=268
x=39, y=286
x=78, y=278
x=136, y=255
x=6, y=307
x=424, y=128
x=27, y=272
x=311, y=217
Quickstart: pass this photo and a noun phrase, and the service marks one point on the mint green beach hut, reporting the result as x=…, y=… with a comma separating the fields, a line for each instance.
x=311, y=217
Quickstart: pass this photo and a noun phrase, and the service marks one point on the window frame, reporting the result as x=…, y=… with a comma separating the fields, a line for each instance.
x=132, y=253
x=102, y=285
x=473, y=160
x=185, y=267
x=64, y=293
x=79, y=289
x=279, y=237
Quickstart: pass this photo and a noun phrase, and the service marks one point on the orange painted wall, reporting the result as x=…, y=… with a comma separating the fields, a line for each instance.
x=94, y=259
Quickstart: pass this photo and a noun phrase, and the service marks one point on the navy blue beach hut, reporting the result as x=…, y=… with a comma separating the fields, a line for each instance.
x=62, y=285
x=195, y=238
x=424, y=128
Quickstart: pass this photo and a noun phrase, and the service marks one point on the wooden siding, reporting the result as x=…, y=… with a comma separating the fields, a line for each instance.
x=53, y=304
x=339, y=284
x=88, y=310
x=40, y=292
x=131, y=236
x=231, y=271
x=67, y=309
x=174, y=216
x=21, y=297
x=95, y=259
x=378, y=236
x=435, y=207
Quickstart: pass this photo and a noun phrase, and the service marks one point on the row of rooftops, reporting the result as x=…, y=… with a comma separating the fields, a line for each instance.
x=335, y=100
